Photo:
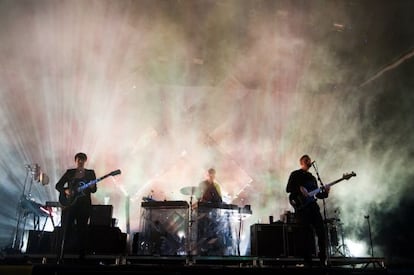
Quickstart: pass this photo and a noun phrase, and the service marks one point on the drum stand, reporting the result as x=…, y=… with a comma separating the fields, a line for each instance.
x=342, y=249
x=240, y=220
x=190, y=191
x=190, y=231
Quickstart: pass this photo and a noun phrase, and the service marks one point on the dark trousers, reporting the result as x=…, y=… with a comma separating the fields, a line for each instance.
x=74, y=223
x=310, y=217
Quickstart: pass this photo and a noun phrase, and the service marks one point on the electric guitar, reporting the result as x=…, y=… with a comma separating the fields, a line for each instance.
x=300, y=201
x=77, y=190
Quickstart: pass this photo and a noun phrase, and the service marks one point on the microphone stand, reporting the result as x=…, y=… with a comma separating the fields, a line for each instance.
x=371, y=246
x=327, y=245
x=370, y=236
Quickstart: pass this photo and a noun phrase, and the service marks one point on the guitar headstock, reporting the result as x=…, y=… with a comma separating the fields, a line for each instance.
x=116, y=172
x=347, y=176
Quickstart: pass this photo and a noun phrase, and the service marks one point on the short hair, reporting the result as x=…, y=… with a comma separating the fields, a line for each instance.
x=211, y=171
x=81, y=156
x=304, y=156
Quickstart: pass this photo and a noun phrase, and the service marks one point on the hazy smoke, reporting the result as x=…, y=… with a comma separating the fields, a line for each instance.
x=164, y=90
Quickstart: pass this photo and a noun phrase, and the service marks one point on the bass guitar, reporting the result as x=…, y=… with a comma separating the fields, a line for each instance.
x=67, y=199
x=300, y=201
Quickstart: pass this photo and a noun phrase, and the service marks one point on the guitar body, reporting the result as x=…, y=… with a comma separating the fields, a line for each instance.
x=65, y=199
x=298, y=201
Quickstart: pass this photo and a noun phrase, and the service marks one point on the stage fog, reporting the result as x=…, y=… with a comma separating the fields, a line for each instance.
x=164, y=90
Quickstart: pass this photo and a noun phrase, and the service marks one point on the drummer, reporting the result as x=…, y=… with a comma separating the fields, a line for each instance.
x=212, y=234
x=210, y=188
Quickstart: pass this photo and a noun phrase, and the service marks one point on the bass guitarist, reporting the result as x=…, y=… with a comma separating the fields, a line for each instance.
x=75, y=217
x=307, y=210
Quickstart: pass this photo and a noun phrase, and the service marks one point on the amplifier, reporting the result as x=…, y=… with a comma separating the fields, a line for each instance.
x=100, y=240
x=106, y=240
x=295, y=235
x=164, y=204
x=210, y=205
x=278, y=239
x=101, y=215
x=267, y=240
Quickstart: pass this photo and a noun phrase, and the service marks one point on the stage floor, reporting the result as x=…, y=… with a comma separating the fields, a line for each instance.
x=121, y=264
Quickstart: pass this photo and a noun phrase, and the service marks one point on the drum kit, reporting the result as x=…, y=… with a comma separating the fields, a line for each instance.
x=335, y=234
x=193, y=228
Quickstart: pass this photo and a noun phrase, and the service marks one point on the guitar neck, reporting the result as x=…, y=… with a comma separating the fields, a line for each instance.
x=82, y=187
x=319, y=189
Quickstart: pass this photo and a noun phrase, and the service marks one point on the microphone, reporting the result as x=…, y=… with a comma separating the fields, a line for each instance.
x=313, y=162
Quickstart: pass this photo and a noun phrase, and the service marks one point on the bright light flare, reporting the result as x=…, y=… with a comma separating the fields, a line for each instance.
x=356, y=248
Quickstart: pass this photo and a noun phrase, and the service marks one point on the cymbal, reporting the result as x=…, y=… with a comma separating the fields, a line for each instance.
x=190, y=190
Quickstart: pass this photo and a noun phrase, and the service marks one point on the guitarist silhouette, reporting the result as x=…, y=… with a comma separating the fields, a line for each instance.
x=74, y=219
x=308, y=215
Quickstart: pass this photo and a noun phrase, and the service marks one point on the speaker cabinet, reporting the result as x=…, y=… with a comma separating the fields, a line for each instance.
x=267, y=240
x=279, y=240
x=106, y=240
x=101, y=215
x=100, y=240
x=296, y=236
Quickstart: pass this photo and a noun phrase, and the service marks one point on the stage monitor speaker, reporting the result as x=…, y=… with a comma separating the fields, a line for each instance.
x=106, y=240
x=267, y=240
x=101, y=215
